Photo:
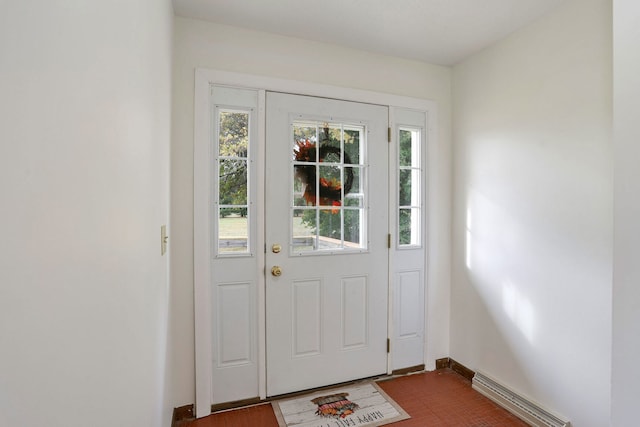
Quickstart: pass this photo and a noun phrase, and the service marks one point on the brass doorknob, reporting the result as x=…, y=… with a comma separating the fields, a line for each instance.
x=276, y=271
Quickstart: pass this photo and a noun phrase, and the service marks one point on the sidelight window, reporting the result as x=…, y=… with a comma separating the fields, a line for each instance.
x=232, y=164
x=409, y=188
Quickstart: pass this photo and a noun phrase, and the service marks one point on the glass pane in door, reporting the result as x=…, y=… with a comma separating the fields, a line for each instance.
x=409, y=190
x=232, y=163
x=328, y=200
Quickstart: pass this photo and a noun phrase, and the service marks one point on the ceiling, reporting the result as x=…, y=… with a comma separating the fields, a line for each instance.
x=436, y=31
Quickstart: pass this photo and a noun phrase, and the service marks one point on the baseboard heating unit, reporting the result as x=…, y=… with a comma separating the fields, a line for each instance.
x=516, y=404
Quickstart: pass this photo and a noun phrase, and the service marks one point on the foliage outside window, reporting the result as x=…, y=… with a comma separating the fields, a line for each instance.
x=409, y=188
x=233, y=177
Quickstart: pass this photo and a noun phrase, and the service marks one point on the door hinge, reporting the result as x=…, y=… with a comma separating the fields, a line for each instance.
x=388, y=134
x=388, y=345
x=389, y=241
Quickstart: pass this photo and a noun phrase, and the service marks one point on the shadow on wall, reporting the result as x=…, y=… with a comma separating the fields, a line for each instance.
x=529, y=284
x=491, y=345
x=491, y=239
x=504, y=340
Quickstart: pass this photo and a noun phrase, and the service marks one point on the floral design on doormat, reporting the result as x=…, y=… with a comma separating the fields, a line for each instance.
x=335, y=406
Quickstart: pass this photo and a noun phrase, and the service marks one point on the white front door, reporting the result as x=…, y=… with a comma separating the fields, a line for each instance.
x=326, y=234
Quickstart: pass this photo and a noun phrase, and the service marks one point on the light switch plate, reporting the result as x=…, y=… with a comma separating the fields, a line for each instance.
x=163, y=240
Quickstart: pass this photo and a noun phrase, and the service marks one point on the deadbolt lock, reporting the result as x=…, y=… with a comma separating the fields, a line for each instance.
x=276, y=248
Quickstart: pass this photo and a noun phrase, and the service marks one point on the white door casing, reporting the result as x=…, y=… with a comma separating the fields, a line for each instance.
x=327, y=312
x=248, y=293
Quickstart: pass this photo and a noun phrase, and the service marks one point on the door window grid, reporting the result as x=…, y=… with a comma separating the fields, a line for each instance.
x=232, y=154
x=328, y=202
x=409, y=189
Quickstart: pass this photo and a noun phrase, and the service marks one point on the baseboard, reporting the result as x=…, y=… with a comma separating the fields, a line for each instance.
x=443, y=363
x=519, y=405
x=182, y=413
x=462, y=370
x=456, y=367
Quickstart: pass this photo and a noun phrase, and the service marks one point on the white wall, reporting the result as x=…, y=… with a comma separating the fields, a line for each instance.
x=201, y=44
x=626, y=273
x=84, y=130
x=532, y=241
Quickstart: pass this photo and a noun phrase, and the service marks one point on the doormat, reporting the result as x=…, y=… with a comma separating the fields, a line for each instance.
x=363, y=404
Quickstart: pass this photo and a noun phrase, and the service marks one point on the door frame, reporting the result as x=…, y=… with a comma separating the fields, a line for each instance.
x=204, y=80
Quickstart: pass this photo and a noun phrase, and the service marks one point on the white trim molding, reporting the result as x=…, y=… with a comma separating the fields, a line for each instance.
x=204, y=79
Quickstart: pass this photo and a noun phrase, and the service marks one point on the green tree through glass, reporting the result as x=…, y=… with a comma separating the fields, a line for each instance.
x=233, y=149
x=404, y=192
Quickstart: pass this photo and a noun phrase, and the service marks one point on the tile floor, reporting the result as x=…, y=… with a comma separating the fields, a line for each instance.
x=434, y=399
